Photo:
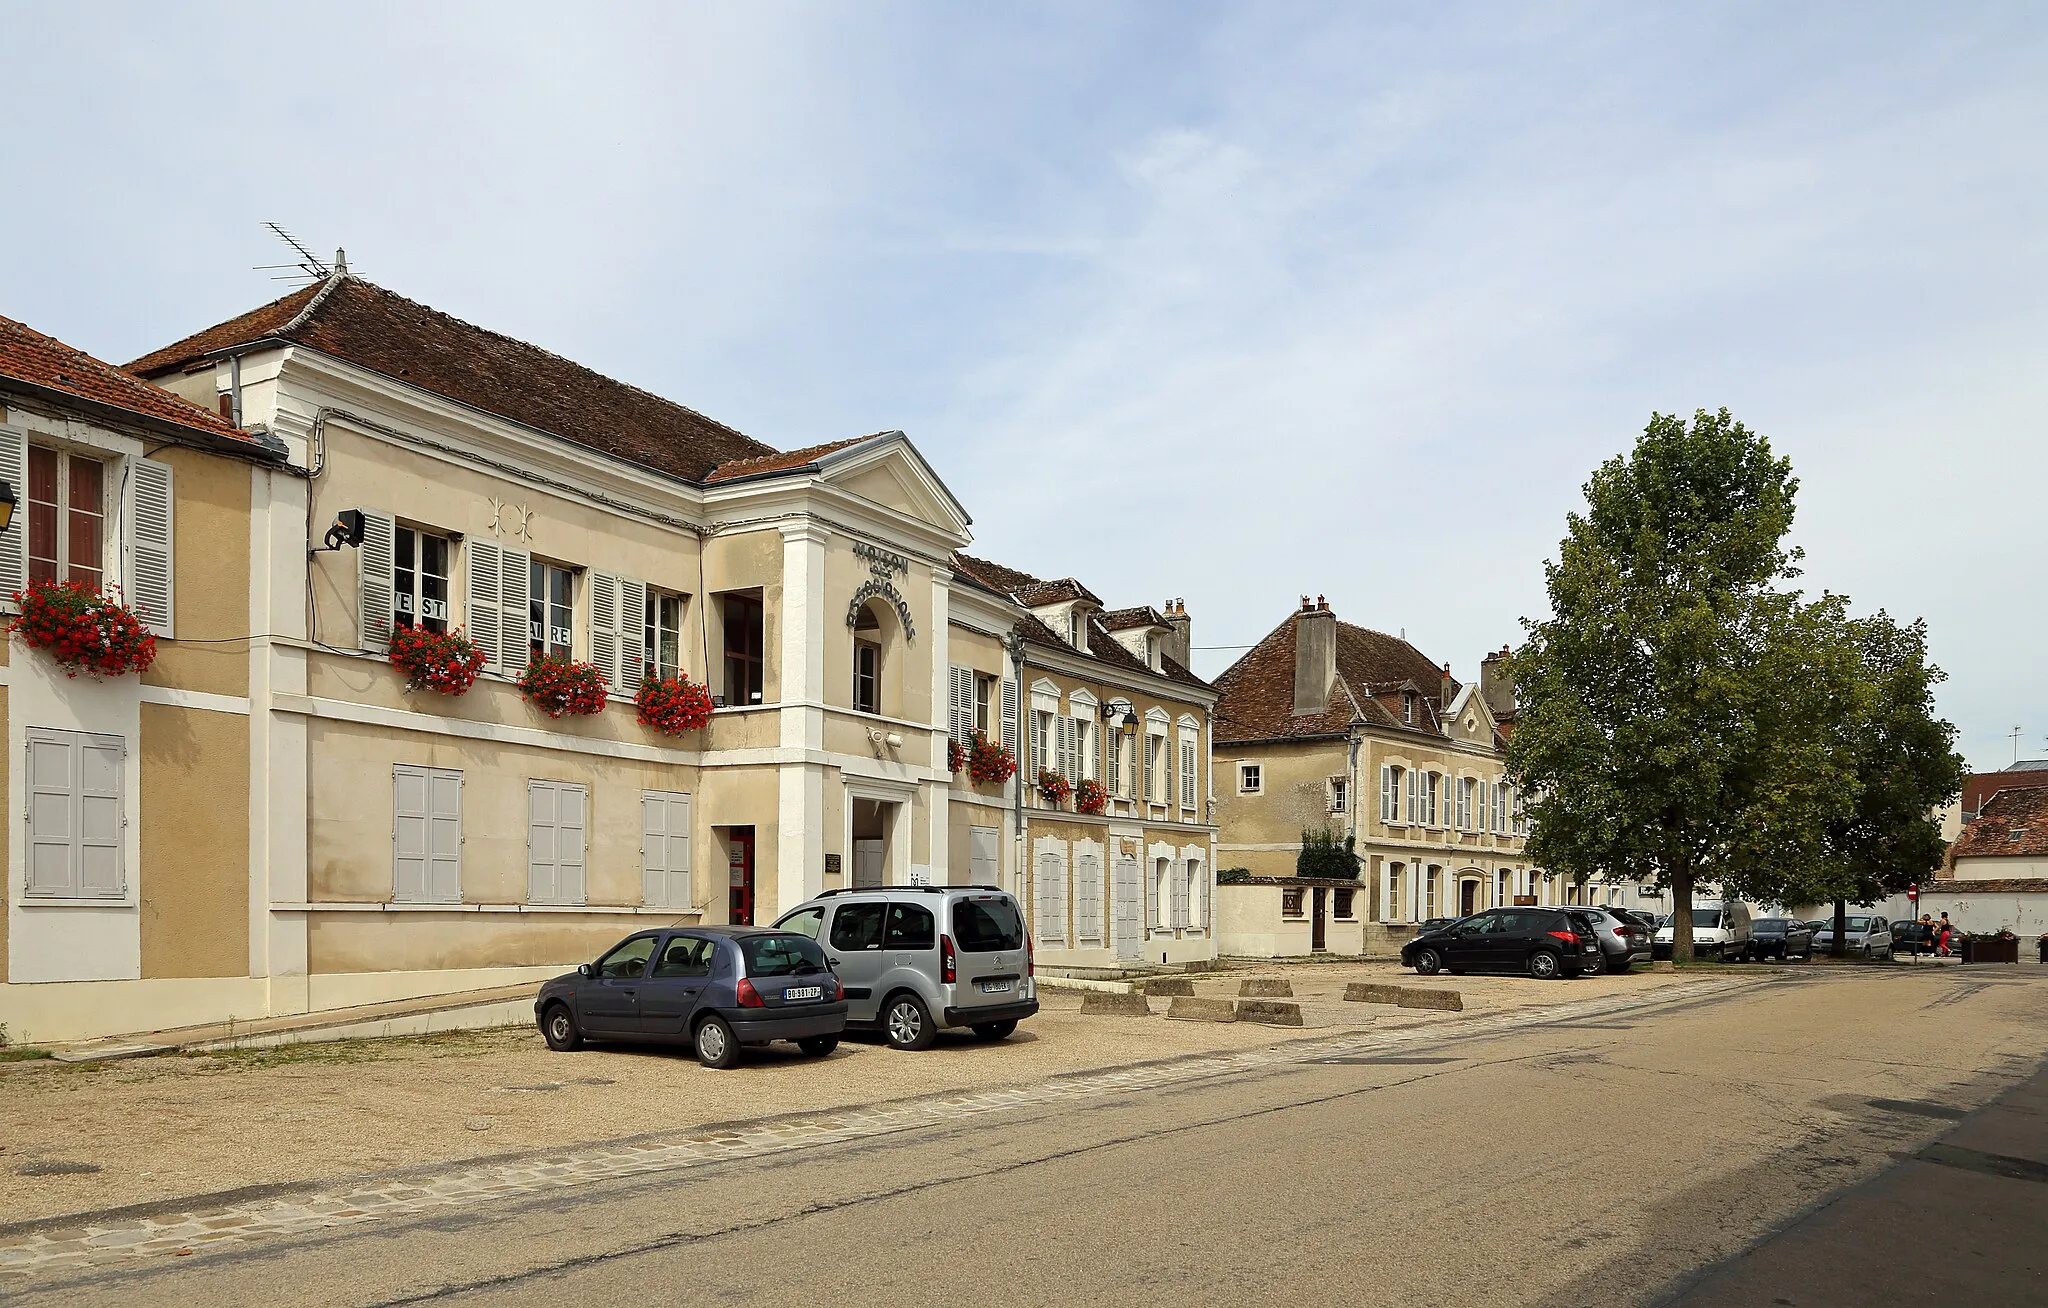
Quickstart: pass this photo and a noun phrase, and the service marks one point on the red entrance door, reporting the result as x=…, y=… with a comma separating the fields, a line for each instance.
x=740, y=876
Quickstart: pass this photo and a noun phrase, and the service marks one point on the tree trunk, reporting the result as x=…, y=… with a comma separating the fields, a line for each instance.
x=1841, y=946
x=1681, y=915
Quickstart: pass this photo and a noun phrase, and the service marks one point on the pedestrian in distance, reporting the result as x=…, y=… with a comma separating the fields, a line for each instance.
x=1944, y=933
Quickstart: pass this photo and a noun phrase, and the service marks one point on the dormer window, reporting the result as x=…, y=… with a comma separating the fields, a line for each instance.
x=1075, y=624
x=1408, y=707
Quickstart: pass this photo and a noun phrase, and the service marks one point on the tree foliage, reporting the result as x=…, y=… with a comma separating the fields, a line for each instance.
x=1326, y=854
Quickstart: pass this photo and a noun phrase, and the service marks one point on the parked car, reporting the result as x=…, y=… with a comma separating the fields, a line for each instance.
x=1780, y=937
x=1648, y=921
x=1719, y=930
x=1430, y=924
x=717, y=989
x=916, y=959
x=1544, y=942
x=1623, y=941
x=1913, y=938
x=1867, y=935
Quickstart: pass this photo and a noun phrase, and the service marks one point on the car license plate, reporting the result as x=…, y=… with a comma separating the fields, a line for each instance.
x=995, y=987
x=803, y=992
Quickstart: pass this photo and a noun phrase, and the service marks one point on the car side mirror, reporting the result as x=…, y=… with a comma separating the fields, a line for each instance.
x=586, y=969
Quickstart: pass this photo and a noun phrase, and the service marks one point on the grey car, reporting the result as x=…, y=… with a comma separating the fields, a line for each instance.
x=1623, y=942
x=717, y=989
x=1869, y=936
x=916, y=959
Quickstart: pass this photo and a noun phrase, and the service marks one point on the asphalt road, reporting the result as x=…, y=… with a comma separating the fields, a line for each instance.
x=1624, y=1158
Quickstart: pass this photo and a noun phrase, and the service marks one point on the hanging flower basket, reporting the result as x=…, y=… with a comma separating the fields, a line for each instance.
x=83, y=629
x=673, y=705
x=445, y=661
x=558, y=686
x=1091, y=797
x=988, y=762
x=956, y=757
x=1054, y=787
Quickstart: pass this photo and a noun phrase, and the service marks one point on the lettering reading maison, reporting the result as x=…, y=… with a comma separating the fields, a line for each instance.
x=883, y=565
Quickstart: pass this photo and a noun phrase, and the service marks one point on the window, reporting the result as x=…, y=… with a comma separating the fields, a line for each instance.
x=1408, y=707
x=1342, y=903
x=1390, y=793
x=1077, y=628
x=867, y=662
x=786, y=955
x=987, y=925
x=665, y=849
x=858, y=926
x=1164, y=900
x=911, y=926
x=419, y=579
x=805, y=922
x=1085, y=739
x=75, y=815
x=1429, y=882
x=1397, y=892
x=67, y=517
x=1466, y=786
x=1339, y=795
x=555, y=838
x=426, y=835
x=685, y=956
x=1042, y=755
x=1198, y=896
x=1290, y=902
x=1429, y=786
x=549, y=628
x=1249, y=778
x=628, y=960
x=1050, y=898
x=743, y=640
x=661, y=634
x=984, y=704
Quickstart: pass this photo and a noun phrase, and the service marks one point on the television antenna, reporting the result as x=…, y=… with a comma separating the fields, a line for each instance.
x=2016, y=733
x=309, y=268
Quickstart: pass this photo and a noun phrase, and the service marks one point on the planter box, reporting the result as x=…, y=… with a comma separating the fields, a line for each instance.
x=1991, y=951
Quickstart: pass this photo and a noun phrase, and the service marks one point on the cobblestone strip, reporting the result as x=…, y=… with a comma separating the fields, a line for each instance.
x=189, y=1232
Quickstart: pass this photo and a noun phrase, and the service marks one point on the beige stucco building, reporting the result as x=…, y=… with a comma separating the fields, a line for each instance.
x=1329, y=727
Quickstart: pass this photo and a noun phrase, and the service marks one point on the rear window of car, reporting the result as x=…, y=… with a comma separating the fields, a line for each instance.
x=1859, y=924
x=984, y=926
x=782, y=954
x=1770, y=925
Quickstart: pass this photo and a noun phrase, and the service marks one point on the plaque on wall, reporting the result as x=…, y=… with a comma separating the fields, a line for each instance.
x=831, y=865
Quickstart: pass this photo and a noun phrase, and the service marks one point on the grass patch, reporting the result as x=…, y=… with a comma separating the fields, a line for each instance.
x=15, y=1054
x=446, y=1044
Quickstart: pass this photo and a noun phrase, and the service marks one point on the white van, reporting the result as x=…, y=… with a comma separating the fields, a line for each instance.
x=1720, y=929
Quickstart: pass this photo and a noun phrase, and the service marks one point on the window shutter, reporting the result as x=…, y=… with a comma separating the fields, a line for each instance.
x=100, y=816
x=1187, y=774
x=1199, y=875
x=1386, y=792
x=515, y=618
x=604, y=626
x=482, y=604
x=150, y=576
x=14, y=541
x=1147, y=764
x=664, y=849
x=1088, y=909
x=960, y=696
x=52, y=822
x=1151, y=895
x=411, y=835
x=541, y=877
x=1011, y=711
x=571, y=826
x=373, y=569
x=633, y=654
x=1066, y=730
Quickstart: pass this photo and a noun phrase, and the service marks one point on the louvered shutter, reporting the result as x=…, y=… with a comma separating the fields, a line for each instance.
x=150, y=576
x=1063, y=733
x=960, y=704
x=100, y=816
x=1199, y=874
x=426, y=835
x=1151, y=895
x=515, y=617
x=1102, y=747
x=373, y=584
x=1012, y=708
x=633, y=658
x=444, y=836
x=483, y=606
x=1178, y=882
x=1088, y=898
x=1148, y=768
x=14, y=541
x=52, y=818
x=604, y=626
x=1187, y=774
x=571, y=840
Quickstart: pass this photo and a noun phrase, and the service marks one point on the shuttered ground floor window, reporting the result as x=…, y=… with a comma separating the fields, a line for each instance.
x=665, y=849
x=75, y=815
x=1050, y=899
x=555, y=838
x=426, y=835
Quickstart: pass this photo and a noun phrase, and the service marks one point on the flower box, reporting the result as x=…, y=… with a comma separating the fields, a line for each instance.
x=1091, y=797
x=1054, y=787
x=83, y=629
x=988, y=762
x=673, y=705
x=559, y=687
x=445, y=661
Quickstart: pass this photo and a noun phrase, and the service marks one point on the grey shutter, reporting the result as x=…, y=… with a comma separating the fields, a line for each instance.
x=555, y=839
x=150, y=576
x=409, y=833
x=14, y=541
x=515, y=618
x=1386, y=792
x=52, y=819
x=633, y=636
x=984, y=859
x=1066, y=727
x=483, y=605
x=373, y=584
x=100, y=815
x=604, y=626
x=444, y=836
x=960, y=695
x=1187, y=774
x=1177, y=881
x=1148, y=767
x=1011, y=711
x=572, y=819
x=1199, y=874
x=1151, y=874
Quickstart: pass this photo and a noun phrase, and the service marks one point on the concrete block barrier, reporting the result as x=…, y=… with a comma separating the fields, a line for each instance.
x=1191, y=1009
x=1372, y=992
x=1270, y=1012
x=1096, y=1003
x=1266, y=987
x=1445, y=1001
x=1169, y=985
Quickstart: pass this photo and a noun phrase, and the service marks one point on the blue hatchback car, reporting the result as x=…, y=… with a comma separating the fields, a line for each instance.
x=717, y=989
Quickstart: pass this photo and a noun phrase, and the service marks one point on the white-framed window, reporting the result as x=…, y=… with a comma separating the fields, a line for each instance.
x=1395, y=907
x=75, y=783
x=1049, y=899
x=65, y=502
x=1183, y=891
x=419, y=578
x=426, y=835
x=1430, y=787
x=1390, y=792
x=1251, y=778
x=557, y=824
x=1339, y=794
x=1120, y=764
x=1466, y=786
x=550, y=610
x=1408, y=707
x=1087, y=896
x=1077, y=628
x=661, y=634
x=1165, y=900
x=1198, y=896
x=1500, y=808
x=665, y=849
x=1043, y=755
x=985, y=706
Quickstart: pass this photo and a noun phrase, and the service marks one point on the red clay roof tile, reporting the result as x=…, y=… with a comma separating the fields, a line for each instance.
x=29, y=356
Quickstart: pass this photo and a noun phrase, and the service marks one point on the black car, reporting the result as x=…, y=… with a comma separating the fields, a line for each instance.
x=716, y=989
x=1544, y=942
x=1430, y=924
x=1912, y=938
x=1780, y=937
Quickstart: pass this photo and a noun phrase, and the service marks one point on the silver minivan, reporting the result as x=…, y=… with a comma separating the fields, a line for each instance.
x=915, y=959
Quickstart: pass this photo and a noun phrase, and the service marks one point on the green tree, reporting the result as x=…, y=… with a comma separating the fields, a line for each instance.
x=1903, y=768
x=1676, y=708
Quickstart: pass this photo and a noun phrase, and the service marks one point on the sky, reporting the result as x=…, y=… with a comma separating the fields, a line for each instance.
x=1233, y=303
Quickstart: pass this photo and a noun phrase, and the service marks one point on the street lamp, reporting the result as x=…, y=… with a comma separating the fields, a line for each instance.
x=7, y=503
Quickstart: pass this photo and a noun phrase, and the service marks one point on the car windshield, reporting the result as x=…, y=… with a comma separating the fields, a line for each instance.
x=1706, y=917
x=1859, y=924
x=987, y=924
x=782, y=954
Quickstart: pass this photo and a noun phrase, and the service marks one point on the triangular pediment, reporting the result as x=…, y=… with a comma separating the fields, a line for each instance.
x=892, y=474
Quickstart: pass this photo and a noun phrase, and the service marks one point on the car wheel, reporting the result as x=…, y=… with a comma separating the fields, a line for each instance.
x=1545, y=965
x=818, y=1046
x=1595, y=967
x=1622, y=967
x=558, y=1028
x=1428, y=962
x=995, y=1030
x=907, y=1023
x=717, y=1047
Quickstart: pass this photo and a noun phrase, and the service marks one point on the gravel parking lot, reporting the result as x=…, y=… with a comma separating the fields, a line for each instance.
x=91, y=1136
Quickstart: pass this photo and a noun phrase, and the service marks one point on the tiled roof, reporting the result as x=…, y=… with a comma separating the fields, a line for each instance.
x=2014, y=824
x=734, y=469
x=1032, y=592
x=1372, y=669
x=1102, y=647
x=29, y=356
x=373, y=328
x=1142, y=616
x=1979, y=787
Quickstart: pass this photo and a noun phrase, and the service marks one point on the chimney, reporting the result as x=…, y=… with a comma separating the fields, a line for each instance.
x=1497, y=684
x=1179, y=645
x=1443, y=699
x=1315, y=657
